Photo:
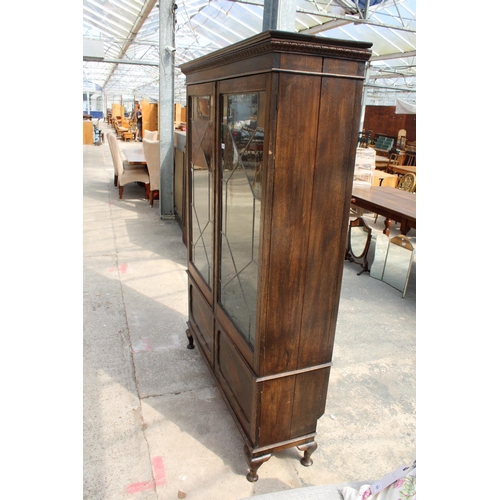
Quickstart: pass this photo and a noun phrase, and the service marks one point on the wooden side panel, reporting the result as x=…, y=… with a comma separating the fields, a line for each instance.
x=291, y=406
x=201, y=317
x=237, y=381
x=340, y=111
x=296, y=130
x=276, y=410
x=309, y=401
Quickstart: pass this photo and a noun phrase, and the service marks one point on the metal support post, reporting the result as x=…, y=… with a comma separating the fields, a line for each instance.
x=279, y=15
x=166, y=129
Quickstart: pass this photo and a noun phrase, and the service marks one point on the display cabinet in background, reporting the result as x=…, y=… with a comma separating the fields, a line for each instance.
x=271, y=143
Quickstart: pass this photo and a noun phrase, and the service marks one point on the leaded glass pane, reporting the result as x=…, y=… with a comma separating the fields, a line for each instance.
x=242, y=132
x=201, y=167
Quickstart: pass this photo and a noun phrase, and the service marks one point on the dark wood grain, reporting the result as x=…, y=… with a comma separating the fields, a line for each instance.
x=276, y=389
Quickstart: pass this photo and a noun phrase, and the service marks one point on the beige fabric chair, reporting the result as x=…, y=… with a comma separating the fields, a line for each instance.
x=152, y=154
x=149, y=134
x=126, y=176
x=115, y=153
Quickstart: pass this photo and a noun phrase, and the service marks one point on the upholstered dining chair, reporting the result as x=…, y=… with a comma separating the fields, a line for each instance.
x=152, y=154
x=117, y=157
x=128, y=175
x=152, y=135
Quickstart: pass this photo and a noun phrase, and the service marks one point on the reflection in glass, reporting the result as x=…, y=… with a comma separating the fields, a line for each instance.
x=201, y=170
x=398, y=263
x=360, y=236
x=242, y=149
x=377, y=266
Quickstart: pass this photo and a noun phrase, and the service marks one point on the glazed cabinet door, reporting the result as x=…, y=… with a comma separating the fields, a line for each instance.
x=242, y=118
x=242, y=108
x=201, y=213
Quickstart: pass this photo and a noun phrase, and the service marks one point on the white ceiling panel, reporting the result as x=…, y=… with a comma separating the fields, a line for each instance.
x=129, y=30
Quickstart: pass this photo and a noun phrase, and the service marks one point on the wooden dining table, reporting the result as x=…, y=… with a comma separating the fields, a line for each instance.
x=135, y=156
x=392, y=203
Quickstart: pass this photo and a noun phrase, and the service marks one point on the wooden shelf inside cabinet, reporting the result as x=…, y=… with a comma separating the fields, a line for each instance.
x=271, y=143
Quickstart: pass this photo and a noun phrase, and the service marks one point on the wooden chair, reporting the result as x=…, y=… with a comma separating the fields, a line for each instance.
x=394, y=159
x=411, y=159
x=408, y=183
x=152, y=154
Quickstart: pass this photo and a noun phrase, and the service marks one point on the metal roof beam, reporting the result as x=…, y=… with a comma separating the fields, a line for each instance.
x=395, y=55
x=141, y=19
x=121, y=61
x=345, y=20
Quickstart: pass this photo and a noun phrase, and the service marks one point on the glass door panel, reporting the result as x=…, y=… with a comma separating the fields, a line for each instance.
x=202, y=198
x=242, y=141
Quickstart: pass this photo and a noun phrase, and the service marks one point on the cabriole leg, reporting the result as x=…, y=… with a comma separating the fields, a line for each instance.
x=190, y=339
x=254, y=462
x=308, y=449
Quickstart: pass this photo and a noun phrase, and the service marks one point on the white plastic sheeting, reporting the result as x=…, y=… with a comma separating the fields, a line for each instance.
x=405, y=108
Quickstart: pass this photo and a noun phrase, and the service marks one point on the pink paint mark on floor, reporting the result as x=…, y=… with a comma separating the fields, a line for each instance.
x=123, y=268
x=159, y=478
x=159, y=471
x=144, y=346
x=138, y=487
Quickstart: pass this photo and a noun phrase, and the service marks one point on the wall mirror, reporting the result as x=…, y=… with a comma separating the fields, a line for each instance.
x=398, y=263
x=358, y=243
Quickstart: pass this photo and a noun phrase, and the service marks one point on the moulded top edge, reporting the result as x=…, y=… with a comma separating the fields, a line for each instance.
x=281, y=41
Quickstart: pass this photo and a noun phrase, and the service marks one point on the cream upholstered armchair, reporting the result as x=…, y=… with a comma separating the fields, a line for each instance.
x=124, y=172
x=152, y=154
x=149, y=134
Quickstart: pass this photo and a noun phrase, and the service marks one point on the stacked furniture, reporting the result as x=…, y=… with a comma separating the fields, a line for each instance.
x=384, y=143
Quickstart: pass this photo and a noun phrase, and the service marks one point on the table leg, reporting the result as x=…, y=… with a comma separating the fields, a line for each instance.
x=387, y=229
x=404, y=228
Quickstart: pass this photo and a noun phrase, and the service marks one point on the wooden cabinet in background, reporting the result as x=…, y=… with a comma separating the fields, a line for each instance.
x=149, y=116
x=179, y=113
x=88, y=132
x=271, y=143
x=117, y=110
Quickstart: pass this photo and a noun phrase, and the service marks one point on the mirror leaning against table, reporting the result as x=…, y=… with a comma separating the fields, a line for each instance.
x=392, y=256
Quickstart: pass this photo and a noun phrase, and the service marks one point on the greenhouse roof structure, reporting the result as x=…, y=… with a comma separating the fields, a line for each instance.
x=127, y=32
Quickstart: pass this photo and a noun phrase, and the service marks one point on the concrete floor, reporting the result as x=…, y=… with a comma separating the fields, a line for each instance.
x=155, y=425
